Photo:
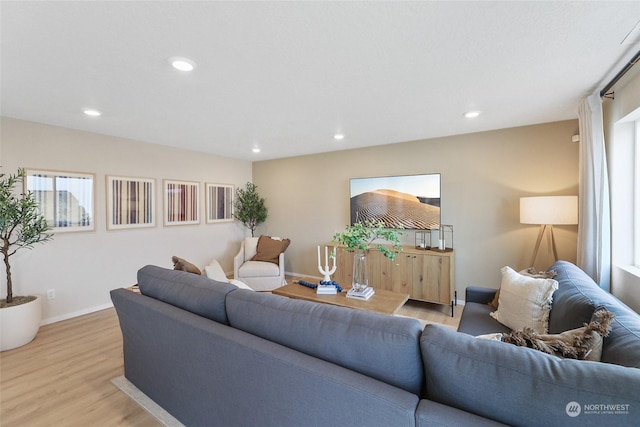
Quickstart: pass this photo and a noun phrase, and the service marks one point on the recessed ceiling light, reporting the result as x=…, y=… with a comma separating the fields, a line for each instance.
x=338, y=136
x=92, y=112
x=255, y=150
x=182, y=64
x=472, y=114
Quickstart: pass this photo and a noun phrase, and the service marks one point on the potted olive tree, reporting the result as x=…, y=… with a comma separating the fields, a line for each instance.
x=21, y=226
x=249, y=207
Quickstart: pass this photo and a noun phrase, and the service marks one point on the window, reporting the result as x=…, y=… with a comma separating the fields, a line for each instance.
x=65, y=198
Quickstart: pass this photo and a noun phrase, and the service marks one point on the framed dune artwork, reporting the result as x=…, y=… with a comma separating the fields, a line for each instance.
x=65, y=198
x=407, y=201
x=219, y=201
x=181, y=202
x=130, y=202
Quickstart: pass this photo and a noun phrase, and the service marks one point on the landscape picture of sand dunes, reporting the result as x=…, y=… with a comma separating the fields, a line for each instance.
x=394, y=208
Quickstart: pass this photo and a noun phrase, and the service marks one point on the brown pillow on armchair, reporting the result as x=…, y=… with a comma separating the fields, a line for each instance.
x=269, y=249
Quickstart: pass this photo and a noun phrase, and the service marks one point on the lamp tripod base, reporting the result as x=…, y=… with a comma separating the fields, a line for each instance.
x=552, y=240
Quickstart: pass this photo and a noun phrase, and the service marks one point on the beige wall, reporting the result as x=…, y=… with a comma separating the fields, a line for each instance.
x=483, y=177
x=83, y=267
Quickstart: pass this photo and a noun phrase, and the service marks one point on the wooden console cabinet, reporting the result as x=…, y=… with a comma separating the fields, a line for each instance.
x=423, y=274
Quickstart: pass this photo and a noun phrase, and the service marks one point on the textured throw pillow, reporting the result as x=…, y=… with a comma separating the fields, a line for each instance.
x=270, y=249
x=184, y=265
x=531, y=272
x=524, y=301
x=583, y=343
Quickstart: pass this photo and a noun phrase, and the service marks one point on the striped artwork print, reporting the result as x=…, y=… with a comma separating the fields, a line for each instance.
x=219, y=202
x=132, y=202
x=181, y=202
x=65, y=199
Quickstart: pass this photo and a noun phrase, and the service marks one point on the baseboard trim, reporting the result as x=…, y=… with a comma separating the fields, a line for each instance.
x=68, y=316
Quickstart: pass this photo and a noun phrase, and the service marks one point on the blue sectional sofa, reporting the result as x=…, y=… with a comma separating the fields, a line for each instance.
x=215, y=355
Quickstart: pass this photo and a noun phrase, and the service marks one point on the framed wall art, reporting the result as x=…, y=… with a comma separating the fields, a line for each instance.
x=130, y=202
x=181, y=202
x=66, y=199
x=219, y=201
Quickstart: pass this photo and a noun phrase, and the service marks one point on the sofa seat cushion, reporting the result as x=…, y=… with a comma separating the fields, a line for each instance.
x=383, y=347
x=530, y=388
x=258, y=269
x=431, y=413
x=477, y=321
x=197, y=294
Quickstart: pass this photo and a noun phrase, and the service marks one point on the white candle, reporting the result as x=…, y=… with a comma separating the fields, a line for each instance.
x=319, y=260
x=326, y=257
x=441, y=246
x=334, y=256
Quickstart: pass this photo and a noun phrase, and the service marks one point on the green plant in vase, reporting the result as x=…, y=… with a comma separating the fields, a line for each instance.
x=359, y=238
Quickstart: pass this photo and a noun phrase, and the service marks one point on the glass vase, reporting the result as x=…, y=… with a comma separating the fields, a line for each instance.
x=360, y=273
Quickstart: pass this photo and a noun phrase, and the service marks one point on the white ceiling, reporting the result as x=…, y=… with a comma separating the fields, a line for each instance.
x=286, y=76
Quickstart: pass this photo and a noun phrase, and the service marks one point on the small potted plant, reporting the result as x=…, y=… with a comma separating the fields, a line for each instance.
x=21, y=226
x=359, y=237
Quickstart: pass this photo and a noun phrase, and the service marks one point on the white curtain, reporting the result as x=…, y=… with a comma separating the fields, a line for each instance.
x=594, y=229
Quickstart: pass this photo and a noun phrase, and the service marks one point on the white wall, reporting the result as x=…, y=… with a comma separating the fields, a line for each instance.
x=83, y=267
x=483, y=177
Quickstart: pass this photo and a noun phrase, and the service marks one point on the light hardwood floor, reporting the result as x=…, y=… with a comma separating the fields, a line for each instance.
x=63, y=378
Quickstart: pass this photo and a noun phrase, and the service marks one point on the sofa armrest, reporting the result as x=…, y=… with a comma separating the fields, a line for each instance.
x=479, y=294
x=281, y=263
x=238, y=260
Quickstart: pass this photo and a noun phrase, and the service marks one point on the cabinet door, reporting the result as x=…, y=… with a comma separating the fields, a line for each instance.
x=401, y=271
x=344, y=268
x=432, y=276
x=379, y=267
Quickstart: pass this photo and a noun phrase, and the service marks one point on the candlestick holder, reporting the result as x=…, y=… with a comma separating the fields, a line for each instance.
x=443, y=238
x=423, y=239
x=326, y=271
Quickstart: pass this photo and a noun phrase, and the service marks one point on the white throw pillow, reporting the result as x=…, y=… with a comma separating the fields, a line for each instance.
x=524, y=301
x=214, y=271
x=240, y=284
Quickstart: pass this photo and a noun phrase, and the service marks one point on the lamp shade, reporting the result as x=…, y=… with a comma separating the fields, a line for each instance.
x=554, y=210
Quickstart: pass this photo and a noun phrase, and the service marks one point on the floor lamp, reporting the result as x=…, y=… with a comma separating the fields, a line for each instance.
x=548, y=211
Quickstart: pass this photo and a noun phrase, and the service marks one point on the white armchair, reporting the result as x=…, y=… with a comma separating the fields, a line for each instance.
x=259, y=275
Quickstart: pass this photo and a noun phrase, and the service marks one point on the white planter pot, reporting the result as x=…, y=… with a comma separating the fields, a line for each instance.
x=19, y=324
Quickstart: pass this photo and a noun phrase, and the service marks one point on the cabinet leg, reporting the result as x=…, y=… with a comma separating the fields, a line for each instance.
x=451, y=308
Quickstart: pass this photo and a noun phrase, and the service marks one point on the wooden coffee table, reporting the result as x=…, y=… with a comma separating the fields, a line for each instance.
x=383, y=301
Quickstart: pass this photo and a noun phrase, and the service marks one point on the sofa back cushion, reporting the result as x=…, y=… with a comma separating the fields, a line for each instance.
x=521, y=386
x=197, y=294
x=382, y=347
x=572, y=305
x=578, y=297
